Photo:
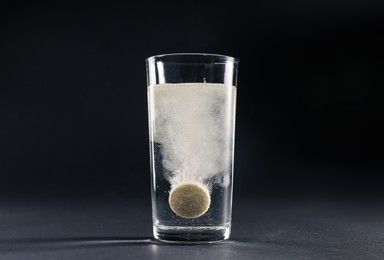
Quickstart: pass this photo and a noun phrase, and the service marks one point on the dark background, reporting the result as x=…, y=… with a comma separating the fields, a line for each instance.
x=73, y=108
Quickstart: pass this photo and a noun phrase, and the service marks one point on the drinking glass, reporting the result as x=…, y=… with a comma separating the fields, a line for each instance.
x=191, y=108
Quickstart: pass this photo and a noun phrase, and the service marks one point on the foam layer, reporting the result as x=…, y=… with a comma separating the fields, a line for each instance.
x=193, y=123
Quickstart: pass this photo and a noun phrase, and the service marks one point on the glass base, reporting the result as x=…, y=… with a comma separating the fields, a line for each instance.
x=191, y=235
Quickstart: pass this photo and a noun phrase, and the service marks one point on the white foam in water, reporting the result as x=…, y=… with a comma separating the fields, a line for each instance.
x=193, y=123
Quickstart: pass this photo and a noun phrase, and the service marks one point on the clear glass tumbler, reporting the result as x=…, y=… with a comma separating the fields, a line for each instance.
x=191, y=107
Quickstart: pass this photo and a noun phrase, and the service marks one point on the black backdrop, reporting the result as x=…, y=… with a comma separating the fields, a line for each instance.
x=73, y=109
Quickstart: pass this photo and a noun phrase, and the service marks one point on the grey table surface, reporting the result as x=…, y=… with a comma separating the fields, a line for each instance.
x=269, y=229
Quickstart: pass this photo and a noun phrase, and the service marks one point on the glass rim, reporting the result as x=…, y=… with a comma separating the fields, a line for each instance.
x=221, y=58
